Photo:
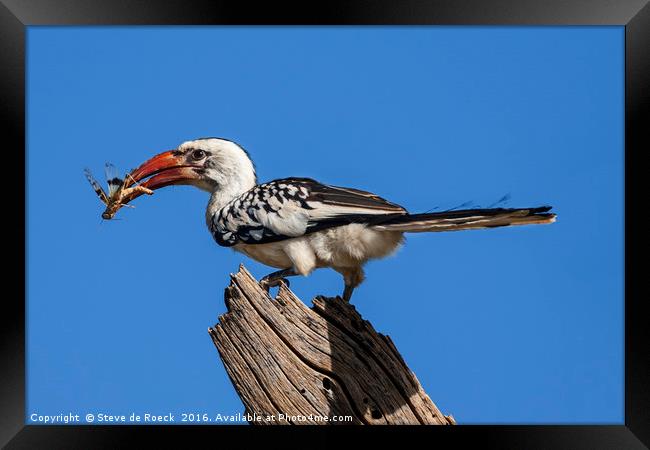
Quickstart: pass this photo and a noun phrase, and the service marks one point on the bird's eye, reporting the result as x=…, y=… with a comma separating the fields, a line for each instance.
x=198, y=154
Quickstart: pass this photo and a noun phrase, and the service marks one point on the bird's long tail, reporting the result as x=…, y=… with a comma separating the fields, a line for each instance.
x=468, y=219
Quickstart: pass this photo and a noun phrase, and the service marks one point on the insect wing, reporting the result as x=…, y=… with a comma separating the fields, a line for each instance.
x=113, y=179
x=98, y=189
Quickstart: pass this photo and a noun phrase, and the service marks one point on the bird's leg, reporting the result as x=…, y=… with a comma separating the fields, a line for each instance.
x=347, y=292
x=352, y=277
x=273, y=279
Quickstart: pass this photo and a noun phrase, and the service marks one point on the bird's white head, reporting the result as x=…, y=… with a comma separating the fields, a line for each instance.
x=210, y=164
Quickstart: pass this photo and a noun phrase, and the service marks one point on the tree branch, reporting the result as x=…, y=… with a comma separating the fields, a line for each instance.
x=301, y=365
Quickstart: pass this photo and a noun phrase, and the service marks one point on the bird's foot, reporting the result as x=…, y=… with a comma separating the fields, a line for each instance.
x=275, y=278
x=268, y=283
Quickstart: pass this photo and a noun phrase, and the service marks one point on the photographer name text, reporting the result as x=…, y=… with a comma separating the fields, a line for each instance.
x=106, y=418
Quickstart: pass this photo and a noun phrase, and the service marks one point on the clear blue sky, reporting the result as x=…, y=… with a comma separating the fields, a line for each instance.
x=519, y=325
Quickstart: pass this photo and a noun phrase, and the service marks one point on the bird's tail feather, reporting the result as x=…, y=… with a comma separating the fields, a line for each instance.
x=468, y=219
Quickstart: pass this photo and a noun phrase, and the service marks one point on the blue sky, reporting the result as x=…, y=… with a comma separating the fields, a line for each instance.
x=519, y=325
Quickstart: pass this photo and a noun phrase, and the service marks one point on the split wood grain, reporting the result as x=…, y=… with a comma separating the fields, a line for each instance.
x=297, y=364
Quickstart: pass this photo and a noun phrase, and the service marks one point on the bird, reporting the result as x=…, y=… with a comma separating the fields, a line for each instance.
x=296, y=224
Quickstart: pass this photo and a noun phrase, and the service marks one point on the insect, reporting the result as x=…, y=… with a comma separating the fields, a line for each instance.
x=119, y=192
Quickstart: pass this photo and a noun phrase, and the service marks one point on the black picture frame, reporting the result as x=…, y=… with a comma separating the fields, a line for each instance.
x=16, y=15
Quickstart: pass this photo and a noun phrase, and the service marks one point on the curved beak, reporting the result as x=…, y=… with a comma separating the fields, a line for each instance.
x=163, y=162
x=165, y=169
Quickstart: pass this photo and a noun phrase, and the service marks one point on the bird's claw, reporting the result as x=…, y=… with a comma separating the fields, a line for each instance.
x=267, y=283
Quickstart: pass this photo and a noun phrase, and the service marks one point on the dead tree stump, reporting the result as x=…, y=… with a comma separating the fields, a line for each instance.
x=292, y=364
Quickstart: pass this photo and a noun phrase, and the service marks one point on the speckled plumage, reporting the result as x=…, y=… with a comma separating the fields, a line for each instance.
x=294, y=207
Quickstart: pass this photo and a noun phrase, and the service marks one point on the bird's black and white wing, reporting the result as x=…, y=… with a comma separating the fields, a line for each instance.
x=292, y=207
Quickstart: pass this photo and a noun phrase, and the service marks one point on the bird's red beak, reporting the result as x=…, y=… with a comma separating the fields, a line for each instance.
x=164, y=169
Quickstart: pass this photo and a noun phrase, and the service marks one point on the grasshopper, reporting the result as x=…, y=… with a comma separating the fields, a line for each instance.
x=119, y=192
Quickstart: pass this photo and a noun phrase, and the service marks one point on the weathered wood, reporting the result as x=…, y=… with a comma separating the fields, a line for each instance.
x=299, y=365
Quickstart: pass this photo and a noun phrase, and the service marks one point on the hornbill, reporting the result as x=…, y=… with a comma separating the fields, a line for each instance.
x=298, y=224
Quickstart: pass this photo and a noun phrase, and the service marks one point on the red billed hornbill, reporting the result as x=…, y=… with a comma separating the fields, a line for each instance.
x=298, y=224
